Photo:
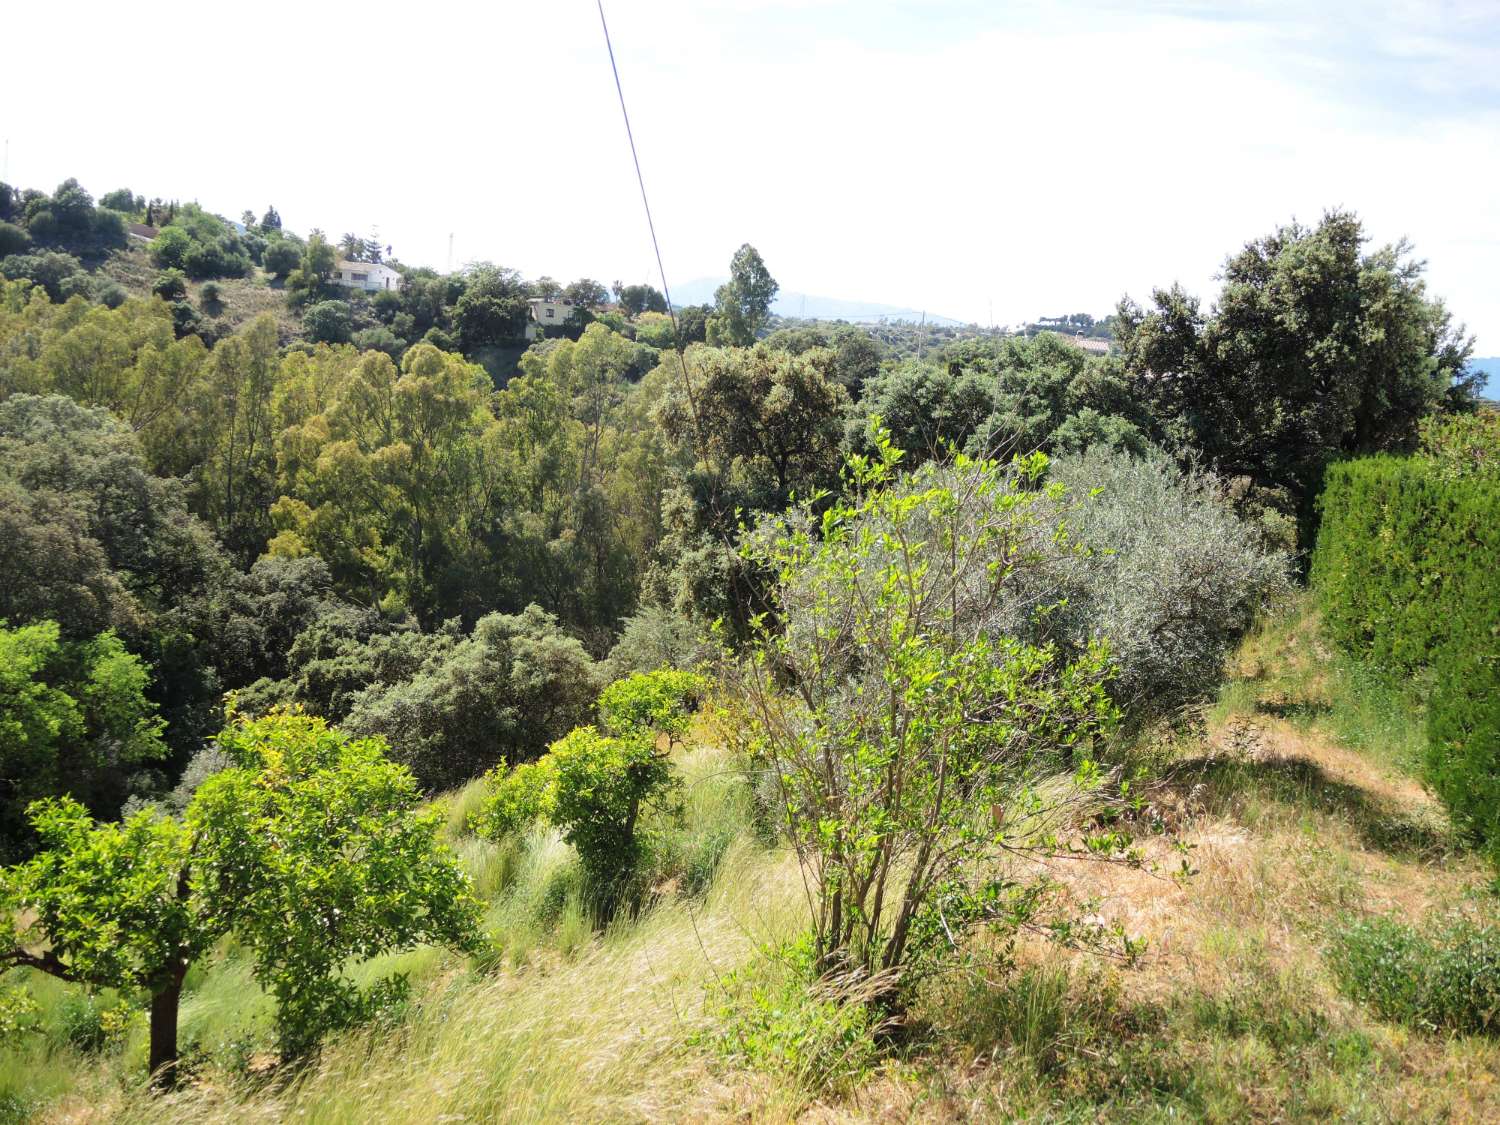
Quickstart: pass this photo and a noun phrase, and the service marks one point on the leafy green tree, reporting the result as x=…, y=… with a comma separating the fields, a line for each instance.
x=1316, y=349
x=660, y=702
x=329, y=322
x=73, y=716
x=51, y=270
x=311, y=849
x=13, y=240
x=692, y=324
x=281, y=257
x=502, y=694
x=122, y=200
x=394, y=479
x=743, y=304
x=904, y=721
x=586, y=293
x=636, y=299
x=767, y=423
x=169, y=249
x=493, y=308
x=271, y=220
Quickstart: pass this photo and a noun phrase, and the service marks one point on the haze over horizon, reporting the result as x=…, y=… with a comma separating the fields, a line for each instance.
x=1043, y=159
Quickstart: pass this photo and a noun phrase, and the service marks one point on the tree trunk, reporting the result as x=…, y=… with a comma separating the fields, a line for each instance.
x=163, y=1057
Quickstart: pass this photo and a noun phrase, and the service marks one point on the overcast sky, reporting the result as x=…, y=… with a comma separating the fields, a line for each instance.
x=1033, y=158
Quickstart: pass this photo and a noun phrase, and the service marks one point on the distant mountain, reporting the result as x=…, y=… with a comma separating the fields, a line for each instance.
x=701, y=292
x=1489, y=385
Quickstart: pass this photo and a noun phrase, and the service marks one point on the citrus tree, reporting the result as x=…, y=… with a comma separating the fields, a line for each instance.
x=310, y=849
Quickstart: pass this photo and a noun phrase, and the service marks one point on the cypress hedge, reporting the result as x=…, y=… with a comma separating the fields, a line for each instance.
x=1407, y=570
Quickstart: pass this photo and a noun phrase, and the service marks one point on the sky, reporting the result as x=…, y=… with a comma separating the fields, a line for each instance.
x=986, y=161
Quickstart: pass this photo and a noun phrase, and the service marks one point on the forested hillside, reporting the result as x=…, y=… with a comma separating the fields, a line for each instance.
x=412, y=703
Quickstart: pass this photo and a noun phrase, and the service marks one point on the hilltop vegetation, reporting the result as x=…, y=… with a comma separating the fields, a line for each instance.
x=397, y=687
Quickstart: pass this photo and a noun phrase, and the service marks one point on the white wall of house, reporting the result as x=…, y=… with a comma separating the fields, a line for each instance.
x=369, y=276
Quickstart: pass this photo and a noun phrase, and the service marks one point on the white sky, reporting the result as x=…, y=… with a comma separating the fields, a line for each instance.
x=1046, y=157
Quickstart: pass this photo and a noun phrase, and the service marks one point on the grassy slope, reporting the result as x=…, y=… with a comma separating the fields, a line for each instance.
x=241, y=299
x=1301, y=814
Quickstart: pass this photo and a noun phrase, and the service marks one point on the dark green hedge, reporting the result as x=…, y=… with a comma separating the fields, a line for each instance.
x=1407, y=570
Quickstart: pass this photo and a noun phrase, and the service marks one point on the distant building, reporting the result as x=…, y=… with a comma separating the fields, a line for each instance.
x=372, y=277
x=141, y=231
x=1091, y=344
x=547, y=313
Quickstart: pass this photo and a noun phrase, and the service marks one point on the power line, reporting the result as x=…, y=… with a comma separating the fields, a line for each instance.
x=661, y=270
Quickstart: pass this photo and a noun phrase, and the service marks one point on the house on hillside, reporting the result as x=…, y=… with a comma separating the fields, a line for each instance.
x=372, y=277
x=1091, y=344
x=141, y=231
x=547, y=313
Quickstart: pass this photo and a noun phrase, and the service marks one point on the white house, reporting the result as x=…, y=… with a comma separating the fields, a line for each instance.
x=369, y=276
x=547, y=313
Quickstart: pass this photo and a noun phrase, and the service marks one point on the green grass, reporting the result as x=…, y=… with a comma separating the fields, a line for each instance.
x=1245, y=1007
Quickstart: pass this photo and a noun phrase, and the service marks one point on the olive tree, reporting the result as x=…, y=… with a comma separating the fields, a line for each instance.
x=310, y=849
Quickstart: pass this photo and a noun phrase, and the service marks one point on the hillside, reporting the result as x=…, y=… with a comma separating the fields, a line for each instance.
x=1300, y=819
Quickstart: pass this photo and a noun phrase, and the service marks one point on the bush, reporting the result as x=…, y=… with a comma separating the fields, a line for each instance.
x=328, y=322
x=517, y=684
x=1404, y=548
x=1405, y=572
x=13, y=240
x=1447, y=980
x=780, y=1016
x=1173, y=579
x=170, y=285
x=653, y=638
x=1463, y=731
x=281, y=257
x=208, y=294
x=111, y=294
x=914, y=706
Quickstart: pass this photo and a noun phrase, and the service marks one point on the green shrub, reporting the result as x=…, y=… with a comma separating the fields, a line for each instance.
x=1463, y=730
x=1405, y=570
x=1448, y=980
x=170, y=285
x=662, y=701
x=1404, y=547
x=781, y=1016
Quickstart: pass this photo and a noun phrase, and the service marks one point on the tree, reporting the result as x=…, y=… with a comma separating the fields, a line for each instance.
x=13, y=240
x=493, y=308
x=391, y=476
x=585, y=292
x=661, y=702
x=1315, y=350
x=502, y=694
x=742, y=304
x=281, y=257
x=311, y=849
x=636, y=299
x=270, y=220
x=73, y=717
x=328, y=322
x=902, y=720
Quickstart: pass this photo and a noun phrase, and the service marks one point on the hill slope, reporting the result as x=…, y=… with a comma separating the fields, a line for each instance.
x=1300, y=817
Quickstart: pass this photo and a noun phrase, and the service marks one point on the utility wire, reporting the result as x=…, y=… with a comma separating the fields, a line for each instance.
x=681, y=345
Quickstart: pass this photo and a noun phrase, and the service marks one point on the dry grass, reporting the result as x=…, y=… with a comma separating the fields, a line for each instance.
x=1232, y=1015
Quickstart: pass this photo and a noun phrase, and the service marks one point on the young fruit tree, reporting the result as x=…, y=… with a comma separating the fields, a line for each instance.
x=310, y=849
x=912, y=749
